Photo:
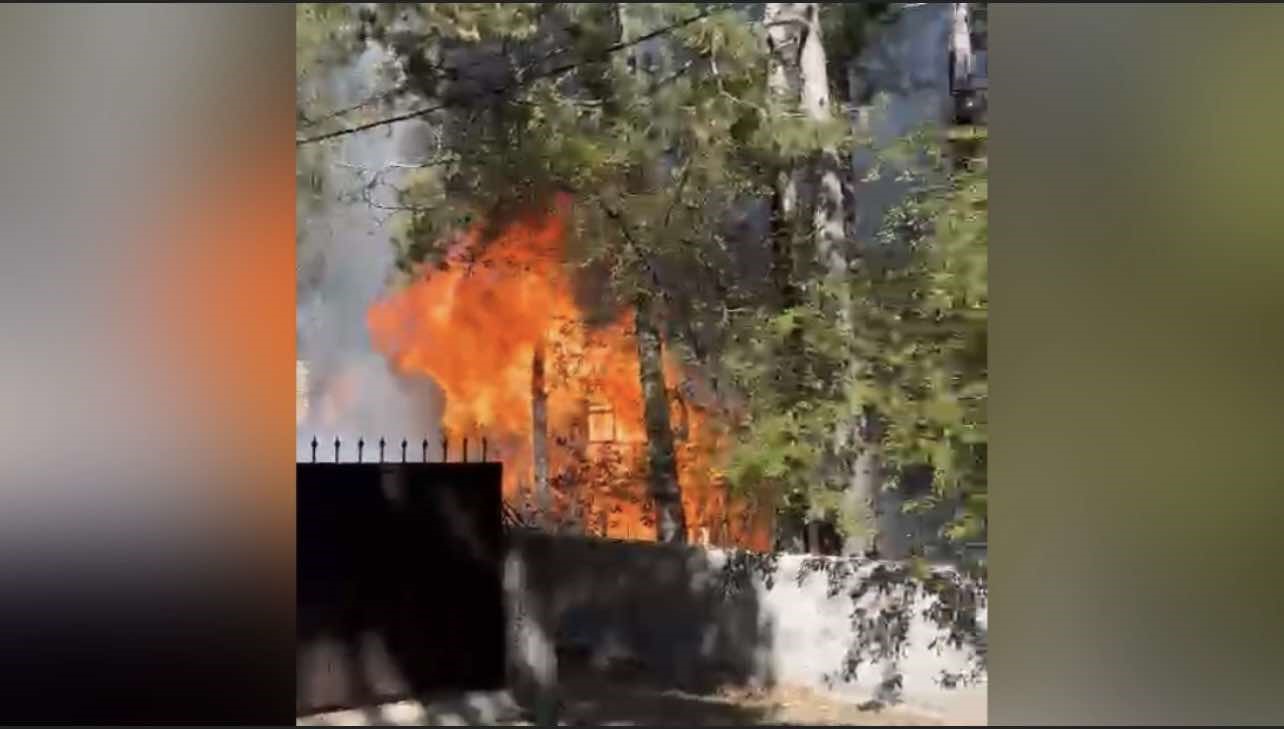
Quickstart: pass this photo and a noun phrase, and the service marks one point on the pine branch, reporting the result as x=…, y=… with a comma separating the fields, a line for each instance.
x=554, y=72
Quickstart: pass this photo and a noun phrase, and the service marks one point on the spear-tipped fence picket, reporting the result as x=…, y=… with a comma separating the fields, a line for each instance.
x=512, y=517
x=464, y=455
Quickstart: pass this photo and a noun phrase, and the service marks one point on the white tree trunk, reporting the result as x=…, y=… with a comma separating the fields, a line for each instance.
x=961, y=45
x=827, y=213
x=828, y=227
x=784, y=33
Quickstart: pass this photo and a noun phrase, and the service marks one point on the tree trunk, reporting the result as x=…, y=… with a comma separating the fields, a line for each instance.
x=783, y=38
x=784, y=203
x=833, y=254
x=827, y=211
x=813, y=535
x=784, y=200
x=662, y=466
x=539, y=436
x=864, y=483
x=784, y=35
x=961, y=61
x=784, y=43
x=662, y=469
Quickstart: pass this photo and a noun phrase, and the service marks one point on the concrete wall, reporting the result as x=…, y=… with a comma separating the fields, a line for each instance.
x=693, y=617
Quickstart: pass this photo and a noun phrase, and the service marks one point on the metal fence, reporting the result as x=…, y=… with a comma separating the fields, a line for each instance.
x=420, y=451
x=399, y=580
x=424, y=451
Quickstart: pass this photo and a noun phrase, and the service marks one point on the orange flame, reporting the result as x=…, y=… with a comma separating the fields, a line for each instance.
x=474, y=325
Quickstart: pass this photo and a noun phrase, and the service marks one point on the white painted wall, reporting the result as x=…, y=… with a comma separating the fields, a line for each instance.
x=689, y=614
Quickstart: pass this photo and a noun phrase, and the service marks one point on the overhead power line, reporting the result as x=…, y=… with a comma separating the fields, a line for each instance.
x=549, y=73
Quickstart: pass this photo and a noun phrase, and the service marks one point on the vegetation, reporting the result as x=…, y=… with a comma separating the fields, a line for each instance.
x=663, y=124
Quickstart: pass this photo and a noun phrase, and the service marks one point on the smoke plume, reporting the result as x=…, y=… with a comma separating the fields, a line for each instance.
x=346, y=260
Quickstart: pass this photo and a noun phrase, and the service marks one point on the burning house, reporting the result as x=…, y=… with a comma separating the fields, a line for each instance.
x=498, y=326
x=499, y=332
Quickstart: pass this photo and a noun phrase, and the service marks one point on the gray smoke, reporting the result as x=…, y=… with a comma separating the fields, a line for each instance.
x=346, y=260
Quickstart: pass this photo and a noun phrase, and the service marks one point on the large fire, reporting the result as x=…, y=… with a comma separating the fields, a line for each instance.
x=475, y=326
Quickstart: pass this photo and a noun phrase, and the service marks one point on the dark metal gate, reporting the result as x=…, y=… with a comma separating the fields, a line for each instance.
x=399, y=581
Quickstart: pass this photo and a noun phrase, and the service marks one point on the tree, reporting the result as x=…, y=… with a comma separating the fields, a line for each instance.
x=925, y=343
x=834, y=257
x=815, y=261
x=909, y=354
x=665, y=121
x=638, y=110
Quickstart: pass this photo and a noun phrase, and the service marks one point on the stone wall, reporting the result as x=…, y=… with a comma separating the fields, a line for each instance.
x=695, y=618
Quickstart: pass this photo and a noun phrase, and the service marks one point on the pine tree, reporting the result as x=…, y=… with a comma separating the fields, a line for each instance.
x=640, y=111
x=666, y=122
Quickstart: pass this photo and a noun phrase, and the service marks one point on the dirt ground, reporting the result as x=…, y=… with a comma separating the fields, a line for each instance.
x=625, y=706
x=613, y=703
x=594, y=699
